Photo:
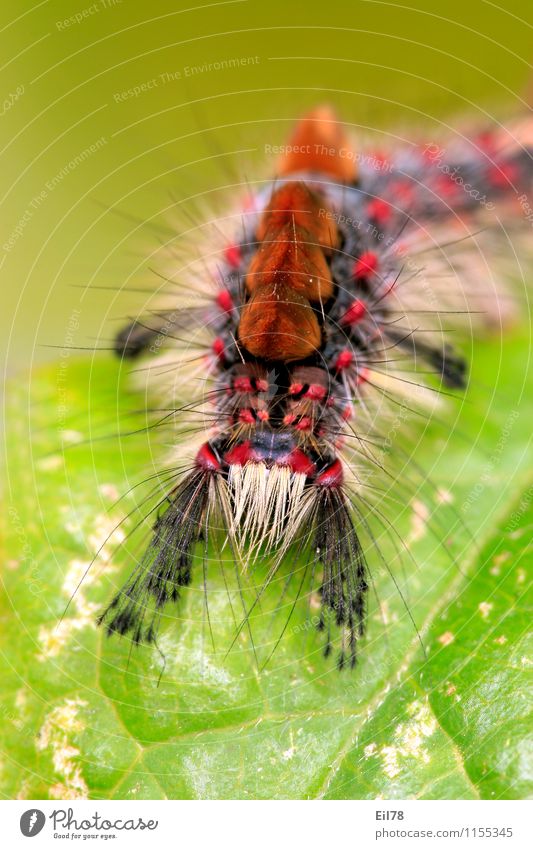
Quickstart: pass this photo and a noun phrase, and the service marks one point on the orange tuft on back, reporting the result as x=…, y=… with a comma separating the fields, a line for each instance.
x=289, y=256
x=294, y=203
x=318, y=143
x=278, y=323
x=289, y=277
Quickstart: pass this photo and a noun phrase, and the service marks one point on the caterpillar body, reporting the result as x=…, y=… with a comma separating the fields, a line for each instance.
x=309, y=321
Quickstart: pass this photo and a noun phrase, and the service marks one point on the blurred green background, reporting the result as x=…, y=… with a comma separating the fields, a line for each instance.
x=75, y=141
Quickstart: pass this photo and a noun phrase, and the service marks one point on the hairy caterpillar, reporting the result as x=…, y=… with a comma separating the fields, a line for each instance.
x=308, y=323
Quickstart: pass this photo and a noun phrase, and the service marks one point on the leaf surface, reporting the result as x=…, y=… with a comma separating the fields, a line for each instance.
x=84, y=717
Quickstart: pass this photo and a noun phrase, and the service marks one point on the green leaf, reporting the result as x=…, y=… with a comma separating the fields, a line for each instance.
x=81, y=717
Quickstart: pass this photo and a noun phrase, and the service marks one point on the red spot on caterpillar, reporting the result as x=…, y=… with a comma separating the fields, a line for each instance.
x=305, y=423
x=355, y=312
x=445, y=186
x=300, y=463
x=365, y=265
x=263, y=416
x=318, y=143
x=242, y=384
x=261, y=385
x=316, y=392
x=246, y=417
x=332, y=476
x=500, y=176
x=239, y=454
x=344, y=360
x=295, y=388
x=289, y=419
x=379, y=210
x=206, y=459
x=225, y=301
x=233, y=256
x=218, y=348
x=485, y=140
